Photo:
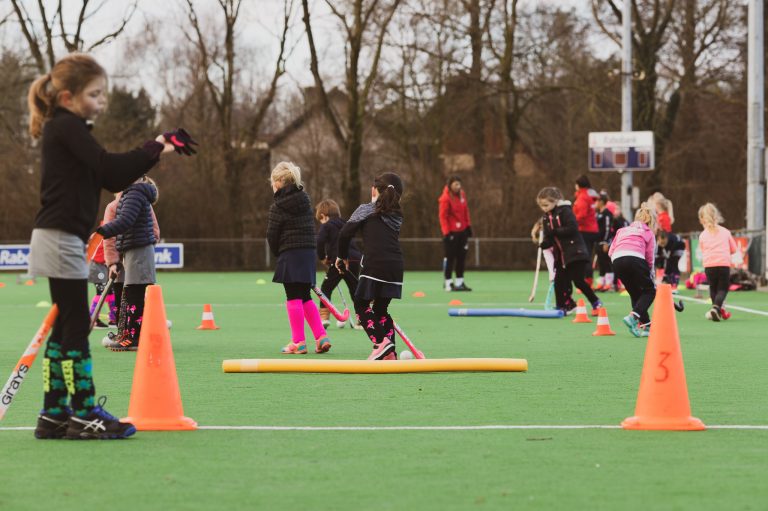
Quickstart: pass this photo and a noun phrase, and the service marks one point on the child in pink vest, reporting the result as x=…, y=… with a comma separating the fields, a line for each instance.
x=632, y=254
x=717, y=245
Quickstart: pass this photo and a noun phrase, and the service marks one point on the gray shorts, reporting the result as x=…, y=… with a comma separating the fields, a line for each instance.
x=57, y=254
x=139, y=266
x=97, y=273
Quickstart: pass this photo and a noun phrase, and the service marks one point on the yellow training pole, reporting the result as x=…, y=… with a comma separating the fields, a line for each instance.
x=431, y=365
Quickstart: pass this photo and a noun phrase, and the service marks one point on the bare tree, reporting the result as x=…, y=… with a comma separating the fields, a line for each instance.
x=364, y=23
x=219, y=66
x=42, y=30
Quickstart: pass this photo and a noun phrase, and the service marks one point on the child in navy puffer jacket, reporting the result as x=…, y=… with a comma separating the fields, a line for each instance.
x=134, y=228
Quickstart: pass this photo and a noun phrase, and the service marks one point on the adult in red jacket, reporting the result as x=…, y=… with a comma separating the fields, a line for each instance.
x=454, y=224
x=586, y=216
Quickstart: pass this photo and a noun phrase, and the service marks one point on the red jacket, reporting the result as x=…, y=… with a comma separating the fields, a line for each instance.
x=664, y=221
x=584, y=209
x=454, y=212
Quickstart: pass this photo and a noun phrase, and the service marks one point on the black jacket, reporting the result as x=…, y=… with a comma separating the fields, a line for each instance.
x=561, y=231
x=328, y=239
x=133, y=224
x=382, y=257
x=74, y=170
x=291, y=223
x=605, y=225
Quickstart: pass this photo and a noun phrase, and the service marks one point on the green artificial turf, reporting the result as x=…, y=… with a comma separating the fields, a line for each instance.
x=573, y=379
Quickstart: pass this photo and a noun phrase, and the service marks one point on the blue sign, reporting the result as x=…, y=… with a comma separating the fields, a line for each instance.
x=167, y=255
x=14, y=257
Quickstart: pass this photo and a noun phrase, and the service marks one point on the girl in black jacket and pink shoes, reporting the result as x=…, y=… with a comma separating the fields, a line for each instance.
x=291, y=237
x=74, y=170
x=135, y=230
x=561, y=231
x=381, y=274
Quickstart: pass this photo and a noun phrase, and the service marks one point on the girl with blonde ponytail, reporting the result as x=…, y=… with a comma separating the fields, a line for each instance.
x=74, y=170
x=717, y=245
x=632, y=255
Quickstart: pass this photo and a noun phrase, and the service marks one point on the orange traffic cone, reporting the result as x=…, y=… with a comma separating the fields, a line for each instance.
x=581, y=313
x=29, y=282
x=208, y=323
x=603, y=326
x=155, y=398
x=662, y=400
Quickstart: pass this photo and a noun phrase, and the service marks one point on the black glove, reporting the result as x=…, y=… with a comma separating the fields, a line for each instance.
x=448, y=237
x=469, y=231
x=100, y=230
x=181, y=141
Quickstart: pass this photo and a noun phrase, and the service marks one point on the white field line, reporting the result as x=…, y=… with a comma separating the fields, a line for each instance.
x=728, y=306
x=429, y=428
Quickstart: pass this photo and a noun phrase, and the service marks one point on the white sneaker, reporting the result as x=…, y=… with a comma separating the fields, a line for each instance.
x=108, y=339
x=340, y=324
x=326, y=323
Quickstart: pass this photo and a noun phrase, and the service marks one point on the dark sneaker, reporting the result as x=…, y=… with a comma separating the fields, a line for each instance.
x=569, y=308
x=381, y=350
x=51, y=426
x=713, y=314
x=98, y=425
x=462, y=287
x=596, y=308
x=100, y=324
x=123, y=343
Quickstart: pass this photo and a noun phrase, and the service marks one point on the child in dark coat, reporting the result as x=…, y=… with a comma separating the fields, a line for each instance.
x=327, y=212
x=291, y=237
x=561, y=231
x=134, y=228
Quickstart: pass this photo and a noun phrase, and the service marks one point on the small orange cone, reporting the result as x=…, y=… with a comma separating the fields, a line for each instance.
x=155, y=398
x=208, y=323
x=30, y=282
x=603, y=326
x=419, y=294
x=2, y=284
x=662, y=400
x=455, y=302
x=581, y=313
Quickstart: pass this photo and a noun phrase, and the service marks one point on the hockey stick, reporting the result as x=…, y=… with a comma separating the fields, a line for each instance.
x=11, y=387
x=338, y=315
x=538, y=267
x=344, y=302
x=416, y=353
x=100, y=304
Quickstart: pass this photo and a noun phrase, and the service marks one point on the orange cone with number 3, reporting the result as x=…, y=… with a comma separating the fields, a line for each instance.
x=662, y=400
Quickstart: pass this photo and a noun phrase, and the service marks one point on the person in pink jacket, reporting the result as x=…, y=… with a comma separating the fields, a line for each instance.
x=632, y=255
x=717, y=245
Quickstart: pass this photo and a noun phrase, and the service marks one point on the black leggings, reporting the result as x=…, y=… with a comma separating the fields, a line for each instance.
x=456, y=246
x=297, y=291
x=635, y=274
x=573, y=272
x=603, y=261
x=375, y=318
x=719, y=279
x=333, y=278
x=590, y=238
x=71, y=328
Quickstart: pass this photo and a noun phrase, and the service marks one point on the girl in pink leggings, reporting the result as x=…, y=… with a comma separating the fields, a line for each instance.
x=291, y=238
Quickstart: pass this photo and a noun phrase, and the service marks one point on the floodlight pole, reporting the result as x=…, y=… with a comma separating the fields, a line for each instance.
x=756, y=173
x=626, y=102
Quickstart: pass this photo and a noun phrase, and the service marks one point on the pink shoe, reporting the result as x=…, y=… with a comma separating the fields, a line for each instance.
x=391, y=356
x=322, y=345
x=382, y=349
x=294, y=349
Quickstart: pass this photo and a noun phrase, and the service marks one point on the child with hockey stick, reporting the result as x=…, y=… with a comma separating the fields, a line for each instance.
x=632, y=252
x=133, y=226
x=671, y=249
x=97, y=275
x=381, y=276
x=717, y=245
x=549, y=259
x=605, y=221
x=327, y=212
x=561, y=232
x=291, y=238
x=74, y=170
